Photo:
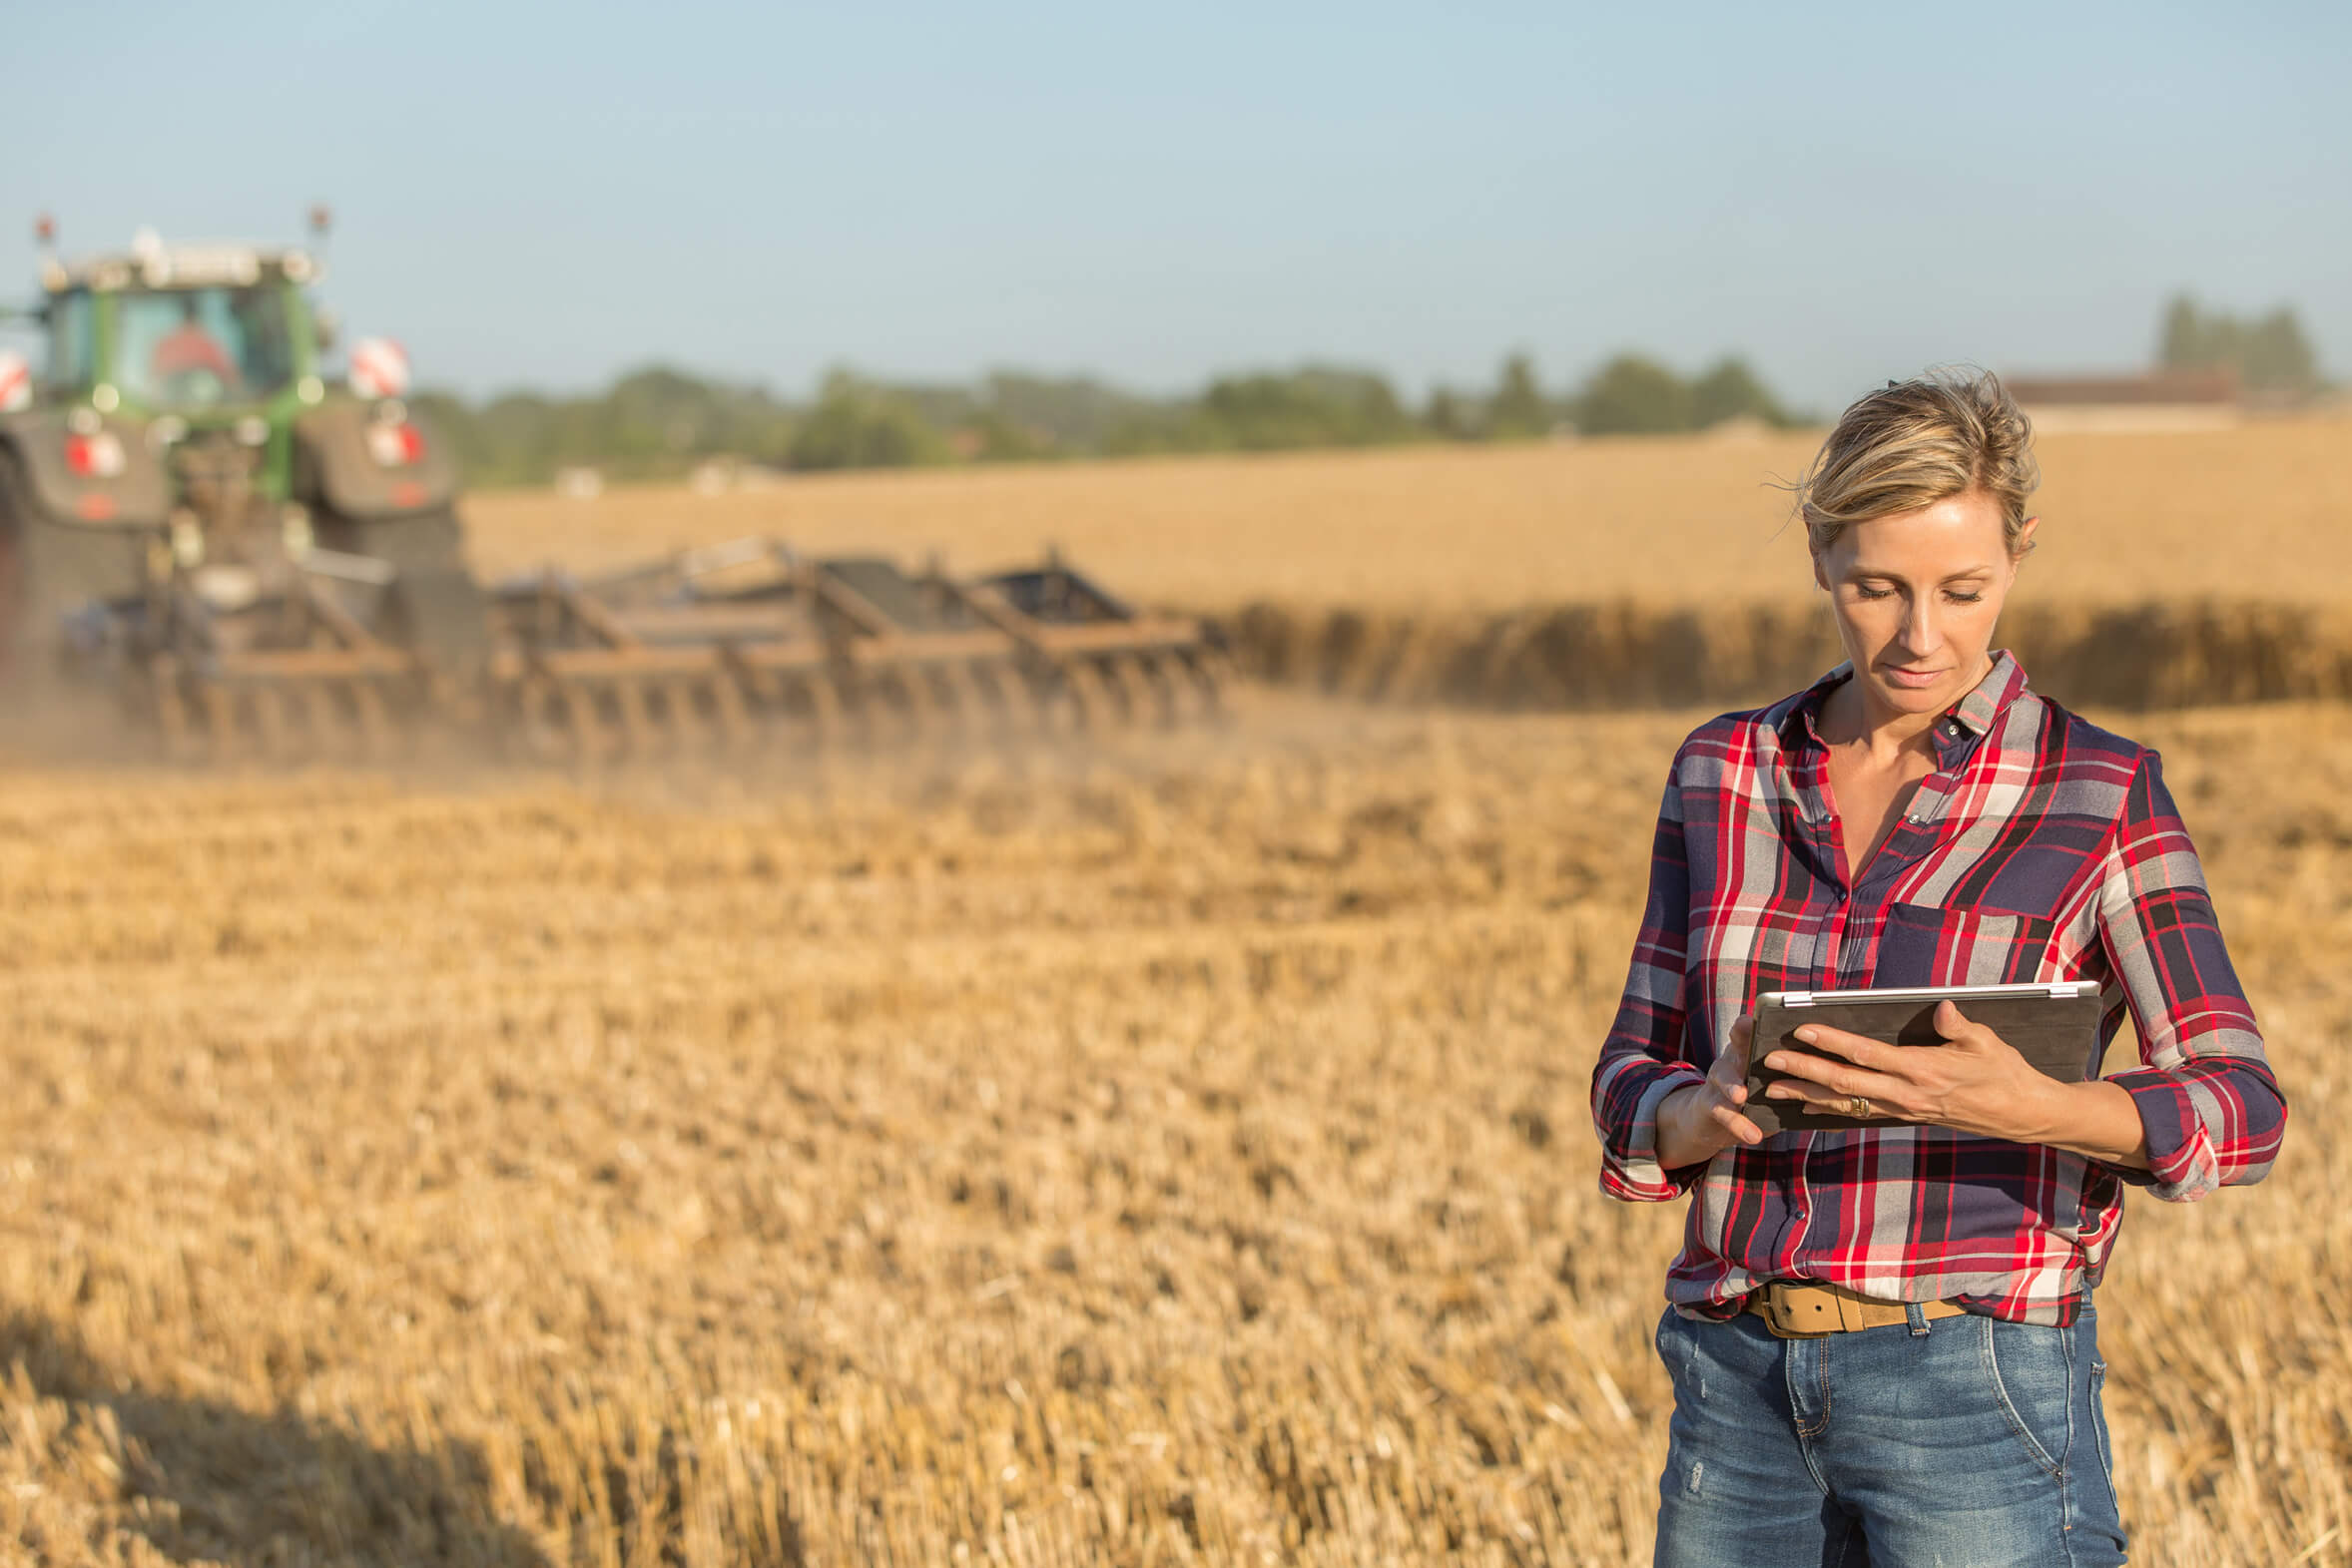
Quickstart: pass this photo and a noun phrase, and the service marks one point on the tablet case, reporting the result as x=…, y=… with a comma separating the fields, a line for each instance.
x=2058, y=1034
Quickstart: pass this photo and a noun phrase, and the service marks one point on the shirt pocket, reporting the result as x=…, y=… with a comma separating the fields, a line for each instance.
x=1923, y=946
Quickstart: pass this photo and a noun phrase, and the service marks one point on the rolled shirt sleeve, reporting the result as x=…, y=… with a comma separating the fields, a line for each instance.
x=1643, y=1061
x=2204, y=1090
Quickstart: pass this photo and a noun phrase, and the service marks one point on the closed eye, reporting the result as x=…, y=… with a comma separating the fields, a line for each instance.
x=1951, y=595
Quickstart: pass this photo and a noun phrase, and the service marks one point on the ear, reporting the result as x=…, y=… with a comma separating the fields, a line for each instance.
x=2026, y=531
x=1820, y=571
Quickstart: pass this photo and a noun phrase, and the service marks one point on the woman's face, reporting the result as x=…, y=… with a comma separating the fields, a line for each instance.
x=1916, y=596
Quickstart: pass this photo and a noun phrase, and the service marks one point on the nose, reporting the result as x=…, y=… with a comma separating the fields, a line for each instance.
x=1920, y=634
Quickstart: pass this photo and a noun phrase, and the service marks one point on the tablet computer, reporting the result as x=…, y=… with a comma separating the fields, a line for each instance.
x=2054, y=1025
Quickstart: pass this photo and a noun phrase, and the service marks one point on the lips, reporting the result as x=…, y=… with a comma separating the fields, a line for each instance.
x=1914, y=679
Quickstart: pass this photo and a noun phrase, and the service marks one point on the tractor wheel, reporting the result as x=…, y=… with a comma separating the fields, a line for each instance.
x=47, y=571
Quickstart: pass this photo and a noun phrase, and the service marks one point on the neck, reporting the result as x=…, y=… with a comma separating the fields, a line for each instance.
x=1855, y=714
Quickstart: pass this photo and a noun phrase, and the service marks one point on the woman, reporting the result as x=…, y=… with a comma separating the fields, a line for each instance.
x=1881, y=1340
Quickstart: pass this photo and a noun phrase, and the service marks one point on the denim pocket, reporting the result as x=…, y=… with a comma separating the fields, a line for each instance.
x=2031, y=1369
x=1673, y=1342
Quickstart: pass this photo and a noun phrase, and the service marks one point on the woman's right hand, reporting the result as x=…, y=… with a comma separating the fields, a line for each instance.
x=1697, y=1123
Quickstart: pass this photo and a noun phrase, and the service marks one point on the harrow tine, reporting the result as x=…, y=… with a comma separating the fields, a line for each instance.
x=1161, y=674
x=581, y=722
x=1088, y=695
x=299, y=735
x=335, y=718
x=1054, y=707
x=868, y=701
x=367, y=712
x=365, y=742
x=171, y=713
x=1003, y=699
x=763, y=704
x=964, y=702
x=825, y=709
x=219, y=721
x=517, y=728
x=636, y=720
x=915, y=705
x=728, y=706
x=1206, y=672
x=555, y=732
x=269, y=712
x=563, y=721
x=1023, y=699
x=683, y=719
x=310, y=731
x=1132, y=678
x=938, y=712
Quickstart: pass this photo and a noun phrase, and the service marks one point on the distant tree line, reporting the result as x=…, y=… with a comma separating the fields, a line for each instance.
x=661, y=422
x=2268, y=355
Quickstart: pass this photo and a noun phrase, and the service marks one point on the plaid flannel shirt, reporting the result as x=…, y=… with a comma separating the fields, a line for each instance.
x=2041, y=848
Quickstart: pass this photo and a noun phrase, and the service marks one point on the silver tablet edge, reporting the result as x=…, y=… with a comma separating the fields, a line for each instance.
x=2055, y=990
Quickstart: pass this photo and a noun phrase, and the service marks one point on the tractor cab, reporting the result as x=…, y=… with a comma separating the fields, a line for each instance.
x=195, y=331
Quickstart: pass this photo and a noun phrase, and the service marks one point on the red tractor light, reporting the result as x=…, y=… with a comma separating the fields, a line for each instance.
x=398, y=445
x=98, y=456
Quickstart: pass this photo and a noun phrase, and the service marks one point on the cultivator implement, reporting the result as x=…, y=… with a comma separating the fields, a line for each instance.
x=749, y=645
x=739, y=646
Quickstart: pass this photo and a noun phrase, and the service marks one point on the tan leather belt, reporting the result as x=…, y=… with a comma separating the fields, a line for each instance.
x=1794, y=1310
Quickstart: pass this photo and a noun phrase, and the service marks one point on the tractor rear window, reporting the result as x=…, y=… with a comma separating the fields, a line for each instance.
x=196, y=347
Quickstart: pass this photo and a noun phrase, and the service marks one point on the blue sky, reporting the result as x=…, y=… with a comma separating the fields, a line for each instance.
x=542, y=194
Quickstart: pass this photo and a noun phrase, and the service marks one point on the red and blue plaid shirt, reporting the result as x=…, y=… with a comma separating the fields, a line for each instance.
x=2041, y=848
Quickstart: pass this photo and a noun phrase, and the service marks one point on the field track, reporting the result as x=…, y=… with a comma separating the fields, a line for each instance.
x=1171, y=1154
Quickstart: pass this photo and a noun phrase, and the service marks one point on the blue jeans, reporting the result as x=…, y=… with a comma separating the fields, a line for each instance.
x=1975, y=1444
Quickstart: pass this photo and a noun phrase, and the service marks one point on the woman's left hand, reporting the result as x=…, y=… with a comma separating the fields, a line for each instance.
x=1976, y=1082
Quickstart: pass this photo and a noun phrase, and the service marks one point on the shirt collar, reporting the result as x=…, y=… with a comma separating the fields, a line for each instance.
x=2002, y=685
x=1967, y=718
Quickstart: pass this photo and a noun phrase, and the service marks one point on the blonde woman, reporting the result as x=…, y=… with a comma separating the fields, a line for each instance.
x=1881, y=1340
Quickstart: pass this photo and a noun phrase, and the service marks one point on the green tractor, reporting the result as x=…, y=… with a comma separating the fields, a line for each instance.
x=198, y=515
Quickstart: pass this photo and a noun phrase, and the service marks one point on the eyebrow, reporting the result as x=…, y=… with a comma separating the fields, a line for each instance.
x=1855, y=574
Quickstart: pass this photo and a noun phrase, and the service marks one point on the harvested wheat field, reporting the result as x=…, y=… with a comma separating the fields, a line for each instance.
x=2262, y=511
x=1177, y=1152
x=2173, y=568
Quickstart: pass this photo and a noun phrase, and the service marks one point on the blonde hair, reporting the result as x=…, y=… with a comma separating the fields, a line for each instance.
x=1911, y=443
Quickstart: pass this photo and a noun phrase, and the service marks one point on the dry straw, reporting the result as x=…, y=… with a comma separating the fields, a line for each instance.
x=1179, y=1155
